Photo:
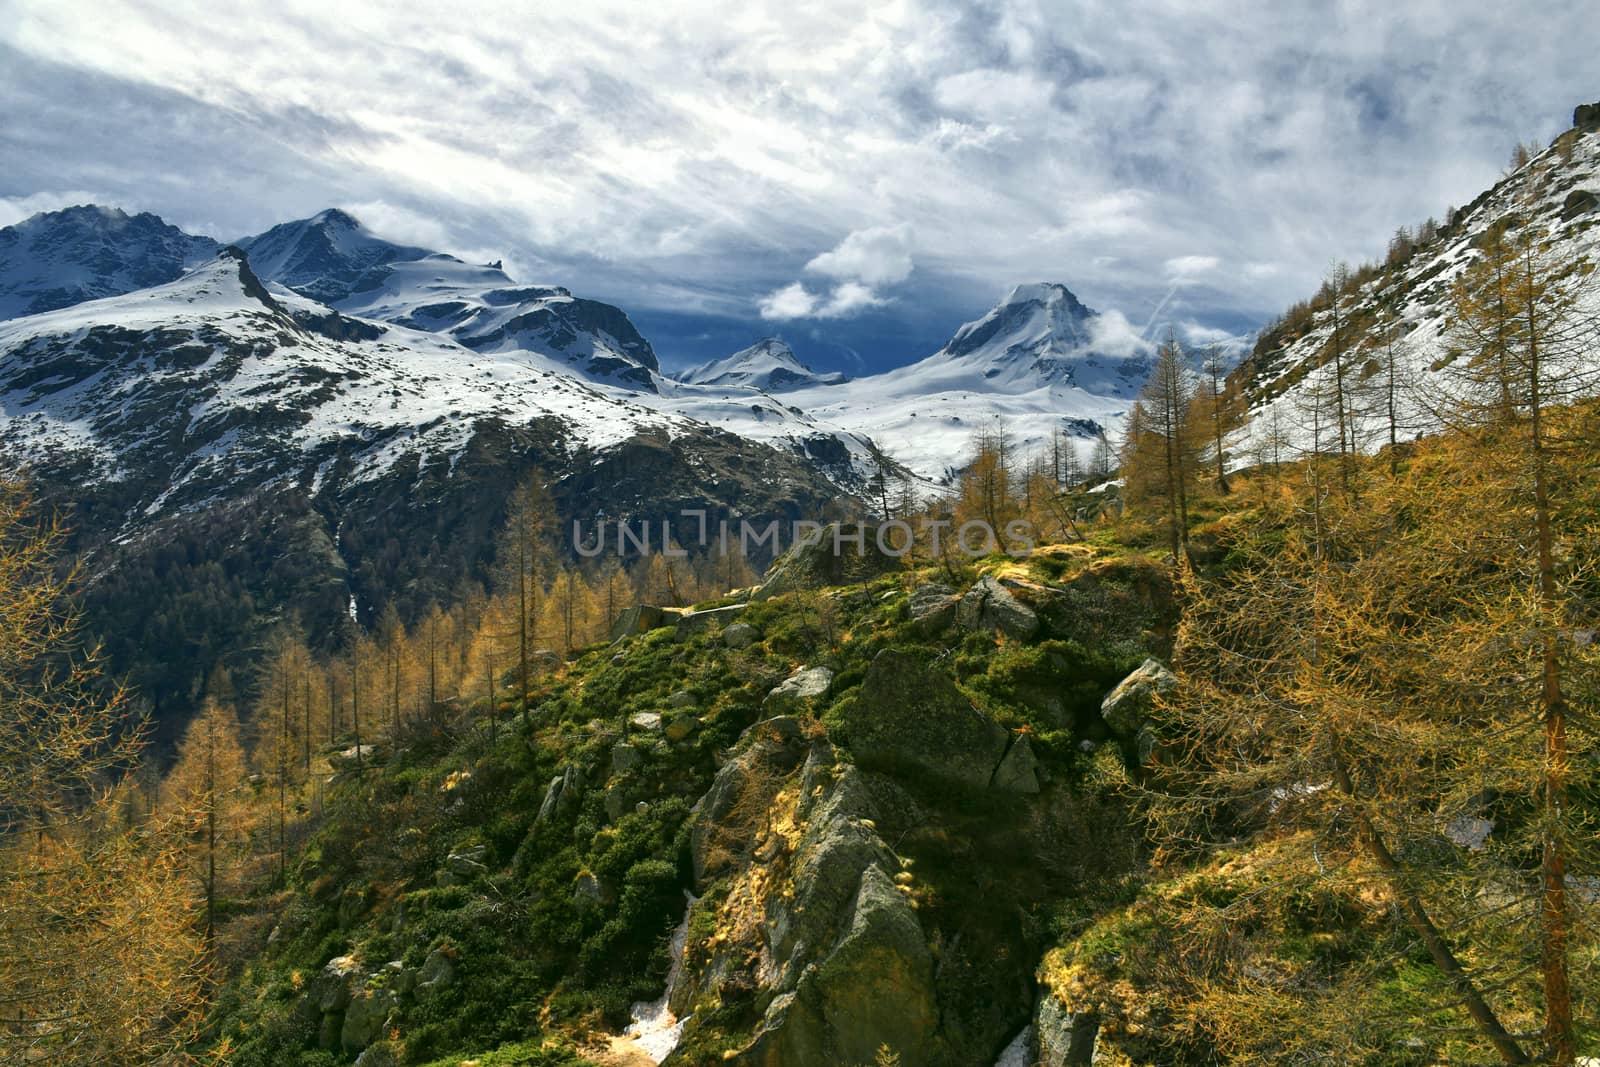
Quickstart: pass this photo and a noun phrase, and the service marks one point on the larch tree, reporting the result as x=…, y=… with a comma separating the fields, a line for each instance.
x=206, y=796
x=1160, y=453
x=1218, y=412
x=522, y=557
x=99, y=959
x=1525, y=342
x=1307, y=714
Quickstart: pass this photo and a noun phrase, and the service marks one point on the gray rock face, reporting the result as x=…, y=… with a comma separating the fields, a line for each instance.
x=469, y=862
x=1126, y=707
x=589, y=892
x=364, y=1018
x=933, y=608
x=645, y=721
x=1064, y=1038
x=801, y=687
x=379, y=1054
x=562, y=794
x=681, y=699
x=625, y=757
x=696, y=622
x=1018, y=769
x=850, y=966
x=739, y=635
x=988, y=605
x=336, y=979
x=639, y=619
x=349, y=758
x=883, y=950
x=912, y=719
x=437, y=972
x=681, y=726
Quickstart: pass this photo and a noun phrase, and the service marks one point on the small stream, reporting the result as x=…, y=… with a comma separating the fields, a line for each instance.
x=655, y=1030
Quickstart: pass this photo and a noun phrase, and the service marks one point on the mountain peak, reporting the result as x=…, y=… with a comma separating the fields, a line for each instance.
x=336, y=217
x=769, y=364
x=55, y=259
x=1040, y=335
x=327, y=257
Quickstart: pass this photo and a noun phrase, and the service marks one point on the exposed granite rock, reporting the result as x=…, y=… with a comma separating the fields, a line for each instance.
x=910, y=718
x=1126, y=707
x=989, y=605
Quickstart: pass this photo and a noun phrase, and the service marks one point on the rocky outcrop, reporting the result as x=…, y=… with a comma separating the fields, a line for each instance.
x=910, y=719
x=989, y=605
x=639, y=619
x=740, y=635
x=1018, y=768
x=838, y=554
x=799, y=689
x=933, y=608
x=1126, y=707
x=843, y=961
x=729, y=815
x=1063, y=1038
x=562, y=794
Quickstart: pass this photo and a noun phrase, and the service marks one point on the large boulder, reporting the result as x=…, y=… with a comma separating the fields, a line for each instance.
x=933, y=608
x=740, y=635
x=437, y=972
x=876, y=987
x=909, y=718
x=800, y=688
x=562, y=794
x=641, y=618
x=1018, y=769
x=364, y=1018
x=625, y=757
x=988, y=605
x=838, y=554
x=336, y=979
x=1127, y=706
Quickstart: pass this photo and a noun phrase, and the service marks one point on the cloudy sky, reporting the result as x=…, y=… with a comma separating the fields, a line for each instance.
x=857, y=178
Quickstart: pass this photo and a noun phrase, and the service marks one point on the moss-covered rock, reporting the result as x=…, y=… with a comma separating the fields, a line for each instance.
x=909, y=718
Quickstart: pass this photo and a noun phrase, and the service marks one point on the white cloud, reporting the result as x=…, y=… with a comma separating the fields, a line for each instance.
x=402, y=224
x=795, y=301
x=1200, y=335
x=849, y=298
x=13, y=209
x=1111, y=332
x=880, y=255
x=674, y=153
x=1183, y=269
x=791, y=302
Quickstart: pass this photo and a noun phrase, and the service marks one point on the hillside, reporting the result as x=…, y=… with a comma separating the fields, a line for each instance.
x=883, y=786
x=1399, y=311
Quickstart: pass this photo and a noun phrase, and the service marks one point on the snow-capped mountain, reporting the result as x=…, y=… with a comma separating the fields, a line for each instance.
x=769, y=365
x=1036, y=364
x=1407, y=302
x=217, y=429
x=1040, y=334
x=60, y=258
x=326, y=257
x=331, y=258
